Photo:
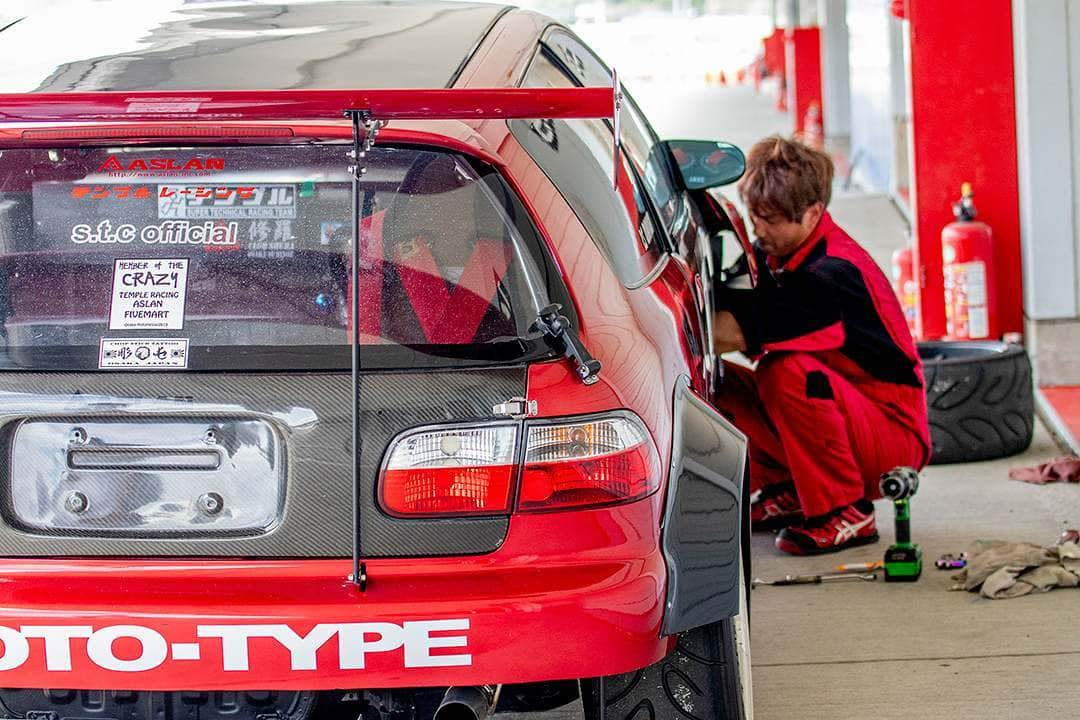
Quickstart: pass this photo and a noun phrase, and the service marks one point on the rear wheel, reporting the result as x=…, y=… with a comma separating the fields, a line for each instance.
x=980, y=400
x=706, y=677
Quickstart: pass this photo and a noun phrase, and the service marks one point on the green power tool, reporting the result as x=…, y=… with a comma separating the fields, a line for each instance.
x=903, y=559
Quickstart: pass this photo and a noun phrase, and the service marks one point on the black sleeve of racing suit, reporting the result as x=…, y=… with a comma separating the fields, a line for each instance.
x=792, y=306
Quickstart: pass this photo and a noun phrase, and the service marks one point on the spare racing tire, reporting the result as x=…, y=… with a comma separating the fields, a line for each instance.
x=980, y=400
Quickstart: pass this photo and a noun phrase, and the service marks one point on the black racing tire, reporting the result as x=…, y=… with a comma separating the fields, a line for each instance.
x=706, y=676
x=980, y=400
x=698, y=680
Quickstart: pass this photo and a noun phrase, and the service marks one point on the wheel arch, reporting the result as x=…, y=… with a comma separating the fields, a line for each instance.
x=701, y=534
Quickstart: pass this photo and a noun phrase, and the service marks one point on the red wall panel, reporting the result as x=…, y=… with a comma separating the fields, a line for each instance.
x=964, y=129
x=803, y=46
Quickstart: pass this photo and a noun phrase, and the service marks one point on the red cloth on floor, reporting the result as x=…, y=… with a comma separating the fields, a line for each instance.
x=835, y=449
x=1062, y=469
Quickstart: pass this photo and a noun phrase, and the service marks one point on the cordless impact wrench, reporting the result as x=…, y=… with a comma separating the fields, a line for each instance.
x=903, y=559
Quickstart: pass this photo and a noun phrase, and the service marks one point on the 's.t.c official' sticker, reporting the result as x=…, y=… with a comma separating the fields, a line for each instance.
x=148, y=294
x=143, y=354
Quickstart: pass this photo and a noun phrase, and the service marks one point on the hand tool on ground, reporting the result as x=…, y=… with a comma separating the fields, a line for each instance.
x=814, y=579
x=863, y=567
x=951, y=562
x=903, y=559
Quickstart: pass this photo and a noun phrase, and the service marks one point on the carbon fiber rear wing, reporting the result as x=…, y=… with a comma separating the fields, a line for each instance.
x=367, y=111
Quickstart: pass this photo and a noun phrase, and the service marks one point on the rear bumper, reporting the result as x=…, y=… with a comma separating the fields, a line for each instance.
x=568, y=595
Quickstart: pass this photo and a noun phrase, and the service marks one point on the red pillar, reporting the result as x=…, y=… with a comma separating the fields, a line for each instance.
x=804, y=72
x=963, y=124
x=776, y=63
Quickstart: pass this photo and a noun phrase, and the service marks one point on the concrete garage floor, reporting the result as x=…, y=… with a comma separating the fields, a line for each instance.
x=875, y=650
x=891, y=650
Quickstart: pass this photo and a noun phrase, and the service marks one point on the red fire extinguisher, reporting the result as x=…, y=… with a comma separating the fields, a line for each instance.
x=903, y=276
x=967, y=260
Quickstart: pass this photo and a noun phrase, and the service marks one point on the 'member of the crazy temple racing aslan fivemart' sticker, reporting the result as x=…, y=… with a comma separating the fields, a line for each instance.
x=148, y=294
x=143, y=353
x=226, y=202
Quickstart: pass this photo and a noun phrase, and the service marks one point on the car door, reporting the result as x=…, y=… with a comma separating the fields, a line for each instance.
x=664, y=204
x=683, y=222
x=706, y=230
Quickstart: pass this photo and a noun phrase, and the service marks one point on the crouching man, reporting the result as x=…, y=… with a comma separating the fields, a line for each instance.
x=837, y=397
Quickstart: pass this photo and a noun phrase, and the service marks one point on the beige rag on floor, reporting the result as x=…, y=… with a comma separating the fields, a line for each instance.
x=1001, y=570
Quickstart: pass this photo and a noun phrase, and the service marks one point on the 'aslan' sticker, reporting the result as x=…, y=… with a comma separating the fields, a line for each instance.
x=143, y=354
x=148, y=294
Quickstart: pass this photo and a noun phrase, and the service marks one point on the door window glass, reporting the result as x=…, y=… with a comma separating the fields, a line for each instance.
x=647, y=154
x=578, y=157
x=639, y=141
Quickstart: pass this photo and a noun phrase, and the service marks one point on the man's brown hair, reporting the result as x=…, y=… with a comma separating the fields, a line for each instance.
x=784, y=177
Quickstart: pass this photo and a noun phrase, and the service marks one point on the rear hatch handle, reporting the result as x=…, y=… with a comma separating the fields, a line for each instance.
x=561, y=336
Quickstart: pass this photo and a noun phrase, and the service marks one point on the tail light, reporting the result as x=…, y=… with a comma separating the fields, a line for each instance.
x=472, y=470
x=451, y=471
x=598, y=462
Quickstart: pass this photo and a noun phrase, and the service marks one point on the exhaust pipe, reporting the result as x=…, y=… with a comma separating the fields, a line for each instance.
x=467, y=703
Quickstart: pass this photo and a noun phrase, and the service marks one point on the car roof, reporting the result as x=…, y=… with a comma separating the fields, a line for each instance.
x=239, y=45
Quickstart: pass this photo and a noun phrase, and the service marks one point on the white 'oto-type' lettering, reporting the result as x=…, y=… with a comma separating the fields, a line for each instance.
x=419, y=643
x=57, y=642
x=16, y=648
x=356, y=643
x=154, y=649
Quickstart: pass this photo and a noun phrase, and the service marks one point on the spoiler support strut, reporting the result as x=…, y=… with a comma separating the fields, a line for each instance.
x=364, y=131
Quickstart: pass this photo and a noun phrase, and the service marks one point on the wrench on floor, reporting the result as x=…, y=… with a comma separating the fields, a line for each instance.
x=814, y=579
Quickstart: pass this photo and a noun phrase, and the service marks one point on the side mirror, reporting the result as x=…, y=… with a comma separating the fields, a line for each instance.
x=706, y=163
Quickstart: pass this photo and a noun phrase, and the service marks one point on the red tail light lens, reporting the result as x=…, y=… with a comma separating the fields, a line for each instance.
x=598, y=462
x=466, y=471
x=450, y=472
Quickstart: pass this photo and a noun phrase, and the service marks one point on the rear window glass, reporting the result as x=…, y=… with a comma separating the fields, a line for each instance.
x=238, y=258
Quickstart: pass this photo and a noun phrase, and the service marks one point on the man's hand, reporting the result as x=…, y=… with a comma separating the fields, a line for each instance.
x=727, y=335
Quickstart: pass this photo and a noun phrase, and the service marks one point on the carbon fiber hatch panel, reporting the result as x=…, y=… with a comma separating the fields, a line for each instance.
x=311, y=412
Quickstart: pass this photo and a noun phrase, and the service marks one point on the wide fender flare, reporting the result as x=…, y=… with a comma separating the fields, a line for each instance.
x=701, y=535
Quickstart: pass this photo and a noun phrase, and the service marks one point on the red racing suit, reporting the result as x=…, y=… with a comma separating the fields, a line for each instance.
x=837, y=397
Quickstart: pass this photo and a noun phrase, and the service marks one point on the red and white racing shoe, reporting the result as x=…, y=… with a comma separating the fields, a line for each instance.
x=848, y=526
x=777, y=506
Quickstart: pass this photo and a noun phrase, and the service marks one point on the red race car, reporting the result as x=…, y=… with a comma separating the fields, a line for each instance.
x=355, y=362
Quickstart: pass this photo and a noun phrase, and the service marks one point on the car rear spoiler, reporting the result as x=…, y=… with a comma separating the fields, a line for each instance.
x=367, y=110
x=441, y=104
x=380, y=106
